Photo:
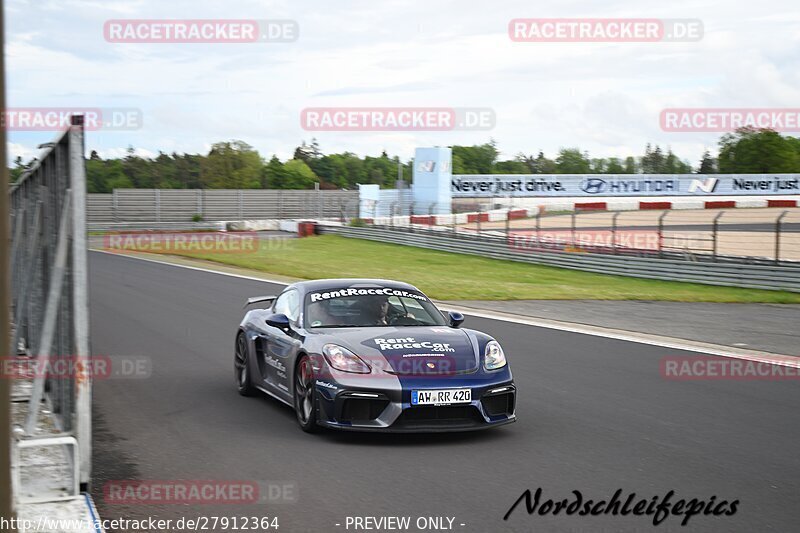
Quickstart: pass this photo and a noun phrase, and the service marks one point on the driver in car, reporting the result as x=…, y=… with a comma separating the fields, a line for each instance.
x=378, y=311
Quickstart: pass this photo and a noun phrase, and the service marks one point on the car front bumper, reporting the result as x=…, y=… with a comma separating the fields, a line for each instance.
x=383, y=403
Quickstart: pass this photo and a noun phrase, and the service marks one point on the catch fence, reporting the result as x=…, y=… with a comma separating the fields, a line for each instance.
x=48, y=263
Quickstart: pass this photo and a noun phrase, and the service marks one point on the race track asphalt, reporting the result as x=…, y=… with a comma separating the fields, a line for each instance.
x=595, y=415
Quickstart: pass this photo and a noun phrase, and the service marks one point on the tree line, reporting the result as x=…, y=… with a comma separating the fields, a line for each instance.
x=237, y=165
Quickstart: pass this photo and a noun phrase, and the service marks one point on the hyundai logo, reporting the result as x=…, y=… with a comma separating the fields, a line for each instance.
x=593, y=185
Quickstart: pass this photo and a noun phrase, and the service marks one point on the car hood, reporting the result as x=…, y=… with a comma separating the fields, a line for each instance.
x=417, y=350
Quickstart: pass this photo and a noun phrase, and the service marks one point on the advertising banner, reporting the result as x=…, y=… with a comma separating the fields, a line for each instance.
x=593, y=185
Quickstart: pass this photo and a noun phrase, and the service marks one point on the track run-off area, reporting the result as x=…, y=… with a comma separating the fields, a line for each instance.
x=594, y=415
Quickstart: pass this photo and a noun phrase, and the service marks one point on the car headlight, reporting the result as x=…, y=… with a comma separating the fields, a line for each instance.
x=343, y=359
x=494, y=357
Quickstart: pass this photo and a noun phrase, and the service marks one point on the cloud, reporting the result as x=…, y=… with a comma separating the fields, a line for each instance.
x=16, y=150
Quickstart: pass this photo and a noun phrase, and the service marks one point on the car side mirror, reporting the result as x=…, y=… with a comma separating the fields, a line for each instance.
x=280, y=321
x=456, y=318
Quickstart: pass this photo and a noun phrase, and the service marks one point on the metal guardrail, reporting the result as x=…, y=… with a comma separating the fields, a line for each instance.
x=49, y=284
x=770, y=277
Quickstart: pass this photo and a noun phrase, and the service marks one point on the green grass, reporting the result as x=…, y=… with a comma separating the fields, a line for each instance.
x=449, y=276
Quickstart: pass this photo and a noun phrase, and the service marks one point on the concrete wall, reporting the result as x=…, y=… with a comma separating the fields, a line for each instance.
x=179, y=205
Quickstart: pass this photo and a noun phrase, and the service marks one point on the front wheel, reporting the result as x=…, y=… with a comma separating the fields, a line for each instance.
x=240, y=369
x=304, y=397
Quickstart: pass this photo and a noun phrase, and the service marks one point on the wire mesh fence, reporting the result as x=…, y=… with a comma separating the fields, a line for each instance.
x=495, y=245
x=48, y=280
x=757, y=235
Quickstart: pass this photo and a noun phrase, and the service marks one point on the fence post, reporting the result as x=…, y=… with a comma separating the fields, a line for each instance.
x=319, y=200
x=114, y=205
x=572, y=232
x=430, y=217
x=158, y=204
x=715, y=234
x=508, y=221
x=241, y=204
x=778, y=236
x=538, y=227
x=80, y=304
x=614, y=232
x=480, y=210
x=661, y=233
x=19, y=223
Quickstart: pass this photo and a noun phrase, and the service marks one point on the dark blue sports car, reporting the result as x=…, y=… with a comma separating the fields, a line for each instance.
x=372, y=355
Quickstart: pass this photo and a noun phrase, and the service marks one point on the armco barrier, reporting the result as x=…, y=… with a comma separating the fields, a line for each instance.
x=708, y=273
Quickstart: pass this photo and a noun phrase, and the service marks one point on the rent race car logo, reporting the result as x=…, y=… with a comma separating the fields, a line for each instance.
x=386, y=291
x=407, y=343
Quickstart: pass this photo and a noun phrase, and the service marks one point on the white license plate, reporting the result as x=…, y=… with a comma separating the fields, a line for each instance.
x=441, y=397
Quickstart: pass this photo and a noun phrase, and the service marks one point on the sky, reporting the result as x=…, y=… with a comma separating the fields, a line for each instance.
x=604, y=98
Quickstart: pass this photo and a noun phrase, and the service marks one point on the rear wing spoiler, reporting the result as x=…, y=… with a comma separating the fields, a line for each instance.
x=259, y=299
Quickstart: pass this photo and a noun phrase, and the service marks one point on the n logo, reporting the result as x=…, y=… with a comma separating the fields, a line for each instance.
x=426, y=166
x=707, y=186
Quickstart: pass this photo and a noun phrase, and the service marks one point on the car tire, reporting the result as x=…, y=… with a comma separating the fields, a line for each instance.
x=305, y=397
x=241, y=371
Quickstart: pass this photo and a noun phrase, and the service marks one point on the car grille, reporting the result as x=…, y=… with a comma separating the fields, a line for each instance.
x=431, y=416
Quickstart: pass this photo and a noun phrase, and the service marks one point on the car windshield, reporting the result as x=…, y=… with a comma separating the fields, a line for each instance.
x=372, y=307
